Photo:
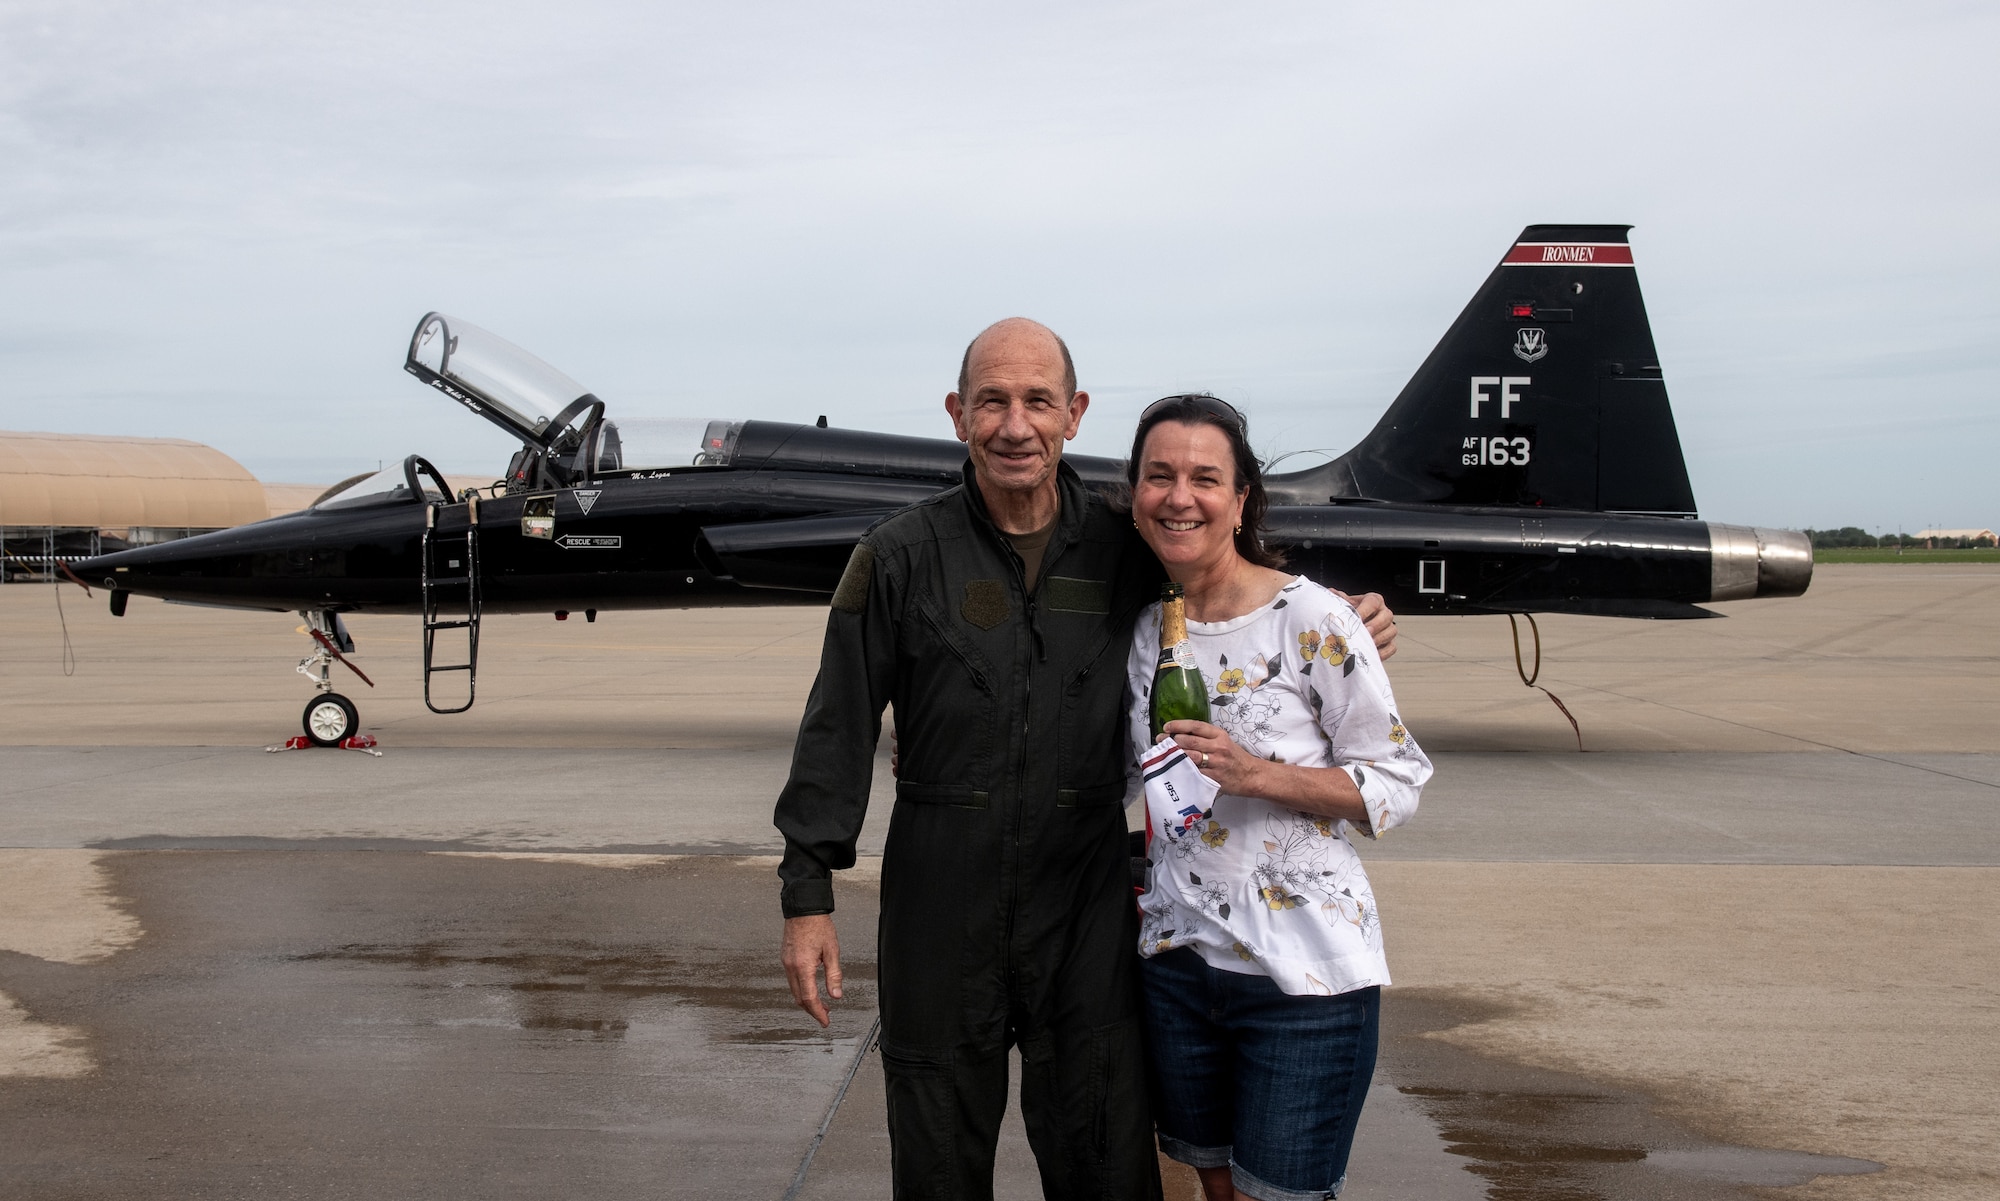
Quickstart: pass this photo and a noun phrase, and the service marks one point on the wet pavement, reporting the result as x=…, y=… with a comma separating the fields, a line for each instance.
x=412, y=1024
x=1538, y=1135
x=1399, y=1154
x=1602, y=807
x=408, y=1025
x=366, y=1024
x=366, y=977
x=267, y=981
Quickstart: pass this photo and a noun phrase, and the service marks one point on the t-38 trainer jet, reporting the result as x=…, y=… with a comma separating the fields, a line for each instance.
x=1530, y=465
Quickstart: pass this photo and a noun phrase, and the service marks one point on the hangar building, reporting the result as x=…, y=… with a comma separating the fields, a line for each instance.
x=1961, y=537
x=70, y=495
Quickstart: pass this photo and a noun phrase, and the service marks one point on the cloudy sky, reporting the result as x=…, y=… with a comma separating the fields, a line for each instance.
x=221, y=221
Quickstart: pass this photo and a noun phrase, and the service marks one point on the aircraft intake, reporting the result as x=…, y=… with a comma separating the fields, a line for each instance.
x=1751, y=561
x=805, y=554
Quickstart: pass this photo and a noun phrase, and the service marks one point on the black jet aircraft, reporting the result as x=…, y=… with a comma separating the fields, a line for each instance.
x=1531, y=465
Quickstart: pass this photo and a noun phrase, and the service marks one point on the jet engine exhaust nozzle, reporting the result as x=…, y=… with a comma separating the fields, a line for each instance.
x=1751, y=561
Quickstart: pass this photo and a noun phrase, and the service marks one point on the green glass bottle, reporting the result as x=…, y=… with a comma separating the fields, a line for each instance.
x=1179, y=692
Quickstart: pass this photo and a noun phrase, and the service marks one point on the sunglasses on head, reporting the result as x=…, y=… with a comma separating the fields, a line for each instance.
x=1206, y=404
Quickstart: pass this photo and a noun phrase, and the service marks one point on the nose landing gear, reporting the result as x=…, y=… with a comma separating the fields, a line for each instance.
x=330, y=718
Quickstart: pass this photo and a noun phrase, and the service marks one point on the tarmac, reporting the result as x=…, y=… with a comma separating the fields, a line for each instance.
x=1743, y=944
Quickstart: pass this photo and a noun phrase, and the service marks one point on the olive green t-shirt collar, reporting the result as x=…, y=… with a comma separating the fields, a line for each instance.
x=1031, y=547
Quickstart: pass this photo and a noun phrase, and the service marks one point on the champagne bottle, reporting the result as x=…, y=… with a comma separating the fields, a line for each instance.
x=1179, y=692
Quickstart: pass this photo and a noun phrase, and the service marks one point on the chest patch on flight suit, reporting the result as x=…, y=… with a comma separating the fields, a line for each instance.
x=1068, y=595
x=986, y=603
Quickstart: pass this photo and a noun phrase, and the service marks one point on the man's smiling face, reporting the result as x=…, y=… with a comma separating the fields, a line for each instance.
x=1017, y=410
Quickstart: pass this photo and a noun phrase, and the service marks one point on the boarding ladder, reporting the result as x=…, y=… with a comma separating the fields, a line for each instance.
x=451, y=592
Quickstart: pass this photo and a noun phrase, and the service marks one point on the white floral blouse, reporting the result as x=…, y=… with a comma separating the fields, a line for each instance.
x=1251, y=885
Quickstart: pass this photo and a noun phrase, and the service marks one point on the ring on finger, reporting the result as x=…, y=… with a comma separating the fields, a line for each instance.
x=1204, y=758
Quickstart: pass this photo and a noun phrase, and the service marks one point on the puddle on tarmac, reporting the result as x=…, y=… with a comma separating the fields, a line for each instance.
x=1757, y=1166
x=596, y=992
x=1536, y=1135
x=605, y=1027
x=787, y=1036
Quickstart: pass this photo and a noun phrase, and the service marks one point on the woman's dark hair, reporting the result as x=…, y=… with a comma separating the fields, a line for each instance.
x=1203, y=409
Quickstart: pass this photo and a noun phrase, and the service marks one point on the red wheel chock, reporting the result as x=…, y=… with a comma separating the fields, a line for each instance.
x=364, y=743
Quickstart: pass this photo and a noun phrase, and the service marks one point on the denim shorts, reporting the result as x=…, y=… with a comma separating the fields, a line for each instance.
x=1248, y=1076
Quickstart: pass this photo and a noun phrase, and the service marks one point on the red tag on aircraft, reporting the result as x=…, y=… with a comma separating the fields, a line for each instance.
x=1569, y=254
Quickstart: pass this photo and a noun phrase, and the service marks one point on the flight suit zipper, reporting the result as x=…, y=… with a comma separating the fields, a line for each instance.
x=1037, y=651
x=1020, y=766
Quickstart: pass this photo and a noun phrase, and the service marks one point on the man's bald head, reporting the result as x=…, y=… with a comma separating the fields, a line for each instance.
x=1010, y=328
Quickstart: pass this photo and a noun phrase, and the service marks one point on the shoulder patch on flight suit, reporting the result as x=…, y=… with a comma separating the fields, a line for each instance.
x=986, y=603
x=1076, y=596
x=852, y=594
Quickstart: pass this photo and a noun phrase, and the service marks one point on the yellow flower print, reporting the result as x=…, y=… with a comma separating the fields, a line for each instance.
x=1231, y=681
x=1309, y=645
x=1215, y=834
x=1165, y=944
x=1397, y=734
x=1278, y=898
x=1242, y=952
x=1324, y=825
x=1334, y=649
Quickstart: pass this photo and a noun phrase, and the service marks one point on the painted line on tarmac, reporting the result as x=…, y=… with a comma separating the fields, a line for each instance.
x=826, y=1123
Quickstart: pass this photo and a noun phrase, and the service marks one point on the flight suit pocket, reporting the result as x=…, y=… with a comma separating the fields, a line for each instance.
x=962, y=795
x=1092, y=752
x=1083, y=1099
x=923, y=1100
x=951, y=736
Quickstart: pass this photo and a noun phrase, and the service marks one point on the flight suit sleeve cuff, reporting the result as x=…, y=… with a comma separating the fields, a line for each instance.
x=804, y=898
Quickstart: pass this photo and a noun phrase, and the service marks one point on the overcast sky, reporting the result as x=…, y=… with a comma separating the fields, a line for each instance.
x=221, y=221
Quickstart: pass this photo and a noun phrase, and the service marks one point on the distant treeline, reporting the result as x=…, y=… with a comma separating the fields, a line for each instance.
x=1848, y=535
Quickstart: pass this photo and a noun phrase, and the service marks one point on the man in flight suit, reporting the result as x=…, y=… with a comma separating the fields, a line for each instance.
x=996, y=617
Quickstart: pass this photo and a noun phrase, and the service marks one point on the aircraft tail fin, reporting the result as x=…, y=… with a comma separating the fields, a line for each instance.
x=1546, y=392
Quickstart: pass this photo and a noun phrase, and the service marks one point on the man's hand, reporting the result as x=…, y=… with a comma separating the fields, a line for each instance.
x=1381, y=621
x=810, y=942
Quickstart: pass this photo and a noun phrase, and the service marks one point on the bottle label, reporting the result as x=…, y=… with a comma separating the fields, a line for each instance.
x=1181, y=655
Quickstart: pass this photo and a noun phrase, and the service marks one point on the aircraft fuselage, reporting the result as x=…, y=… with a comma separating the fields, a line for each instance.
x=699, y=537
x=1530, y=465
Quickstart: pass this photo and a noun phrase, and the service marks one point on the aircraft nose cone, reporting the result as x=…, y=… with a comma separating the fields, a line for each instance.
x=98, y=571
x=92, y=571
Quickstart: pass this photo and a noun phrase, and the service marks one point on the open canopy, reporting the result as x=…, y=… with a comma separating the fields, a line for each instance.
x=491, y=376
x=538, y=404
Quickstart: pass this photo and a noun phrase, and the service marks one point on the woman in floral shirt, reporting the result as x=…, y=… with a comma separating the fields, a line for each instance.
x=1263, y=947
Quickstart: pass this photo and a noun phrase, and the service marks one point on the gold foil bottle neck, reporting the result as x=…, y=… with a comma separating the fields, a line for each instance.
x=1173, y=619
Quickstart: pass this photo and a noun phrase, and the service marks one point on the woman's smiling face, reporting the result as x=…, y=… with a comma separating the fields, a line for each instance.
x=1186, y=501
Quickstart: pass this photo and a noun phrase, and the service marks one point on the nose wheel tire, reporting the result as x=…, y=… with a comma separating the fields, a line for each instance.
x=330, y=719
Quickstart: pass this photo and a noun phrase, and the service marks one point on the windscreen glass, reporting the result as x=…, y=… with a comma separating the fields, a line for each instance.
x=520, y=386
x=384, y=487
x=656, y=445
